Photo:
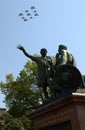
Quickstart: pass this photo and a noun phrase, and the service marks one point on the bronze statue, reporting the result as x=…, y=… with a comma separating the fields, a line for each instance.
x=44, y=64
x=66, y=76
x=64, y=57
x=62, y=77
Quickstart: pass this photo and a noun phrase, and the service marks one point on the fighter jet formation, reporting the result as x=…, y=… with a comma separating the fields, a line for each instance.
x=29, y=14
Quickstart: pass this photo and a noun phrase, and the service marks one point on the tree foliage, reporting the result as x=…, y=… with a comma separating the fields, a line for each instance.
x=22, y=95
x=21, y=123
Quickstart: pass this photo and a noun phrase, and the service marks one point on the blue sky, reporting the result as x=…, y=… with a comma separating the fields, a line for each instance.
x=59, y=22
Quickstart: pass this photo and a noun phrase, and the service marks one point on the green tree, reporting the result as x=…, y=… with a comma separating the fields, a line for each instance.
x=22, y=95
x=11, y=123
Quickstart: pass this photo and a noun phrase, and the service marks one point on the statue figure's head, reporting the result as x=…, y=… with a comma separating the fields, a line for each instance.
x=62, y=47
x=43, y=51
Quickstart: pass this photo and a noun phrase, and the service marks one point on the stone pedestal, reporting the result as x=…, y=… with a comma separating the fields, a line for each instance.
x=67, y=113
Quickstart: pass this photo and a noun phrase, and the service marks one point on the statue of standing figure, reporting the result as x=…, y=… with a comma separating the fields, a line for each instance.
x=44, y=64
x=60, y=77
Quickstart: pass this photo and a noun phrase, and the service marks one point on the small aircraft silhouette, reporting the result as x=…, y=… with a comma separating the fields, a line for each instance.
x=28, y=14
x=26, y=11
x=32, y=7
x=20, y=14
x=34, y=11
x=36, y=14
x=25, y=19
x=31, y=17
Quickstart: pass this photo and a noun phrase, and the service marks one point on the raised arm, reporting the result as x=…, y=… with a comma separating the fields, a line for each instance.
x=24, y=51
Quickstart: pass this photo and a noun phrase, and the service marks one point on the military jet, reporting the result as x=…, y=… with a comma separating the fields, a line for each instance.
x=32, y=7
x=34, y=11
x=20, y=14
x=25, y=19
x=26, y=11
x=28, y=14
x=31, y=17
x=36, y=14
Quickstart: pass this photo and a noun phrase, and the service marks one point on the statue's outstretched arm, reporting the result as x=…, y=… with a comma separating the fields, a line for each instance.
x=20, y=47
